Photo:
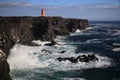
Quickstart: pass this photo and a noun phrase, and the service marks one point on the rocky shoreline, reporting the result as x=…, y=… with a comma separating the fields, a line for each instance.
x=25, y=29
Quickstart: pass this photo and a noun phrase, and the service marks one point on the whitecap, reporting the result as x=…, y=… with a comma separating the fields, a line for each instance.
x=77, y=31
x=38, y=42
x=22, y=57
x=116, y=44
x=116, y=49
x=116, y=33
x=26, y=57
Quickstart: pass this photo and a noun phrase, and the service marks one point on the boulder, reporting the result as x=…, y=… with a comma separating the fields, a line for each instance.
x=4, y=67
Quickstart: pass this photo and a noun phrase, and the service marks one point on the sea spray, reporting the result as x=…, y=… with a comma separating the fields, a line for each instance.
x=26, y=57
x=22, y=57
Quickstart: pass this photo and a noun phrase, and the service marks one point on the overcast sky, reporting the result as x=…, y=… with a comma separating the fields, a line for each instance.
x=87, y=9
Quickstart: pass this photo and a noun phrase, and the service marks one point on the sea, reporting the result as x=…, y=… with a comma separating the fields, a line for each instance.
x=101, y=38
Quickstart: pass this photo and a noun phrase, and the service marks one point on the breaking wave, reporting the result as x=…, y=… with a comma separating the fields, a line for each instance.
x=26, y=57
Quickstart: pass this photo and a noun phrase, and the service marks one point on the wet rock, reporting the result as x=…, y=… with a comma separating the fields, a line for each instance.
x=81, y=58
x=73, y=59
x=92, y=57
x=60, y=59
x=62, y=52
x=34, y=53
x=4, y=67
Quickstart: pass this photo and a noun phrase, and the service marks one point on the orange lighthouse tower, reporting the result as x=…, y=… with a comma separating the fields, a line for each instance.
x=42, y=12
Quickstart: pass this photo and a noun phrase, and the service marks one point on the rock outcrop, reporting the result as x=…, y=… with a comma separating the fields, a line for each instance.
x=25, y=29
x=81, y=58
x=4, y=67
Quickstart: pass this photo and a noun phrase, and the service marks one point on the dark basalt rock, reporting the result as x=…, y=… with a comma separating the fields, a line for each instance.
x=81, y=58
x=62, y=52
x=73, y=59
x=4, y=67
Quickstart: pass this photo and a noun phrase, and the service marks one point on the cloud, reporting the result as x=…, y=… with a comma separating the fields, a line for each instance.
x=23, y=4
x=15, y=4
x=108, y=6
x=93, y=11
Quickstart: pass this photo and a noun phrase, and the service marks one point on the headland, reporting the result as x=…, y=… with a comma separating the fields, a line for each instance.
x=24, y=29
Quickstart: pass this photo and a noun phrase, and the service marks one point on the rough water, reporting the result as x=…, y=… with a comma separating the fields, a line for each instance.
x=39, y=63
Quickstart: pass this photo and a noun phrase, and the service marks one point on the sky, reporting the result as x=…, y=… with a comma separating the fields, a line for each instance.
x=96, y=10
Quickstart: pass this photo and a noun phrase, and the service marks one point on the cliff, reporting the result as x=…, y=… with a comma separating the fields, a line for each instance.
x=25, y=29
x=4, y=67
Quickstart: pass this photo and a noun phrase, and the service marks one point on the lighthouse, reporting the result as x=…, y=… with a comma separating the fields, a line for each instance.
x=42, y=12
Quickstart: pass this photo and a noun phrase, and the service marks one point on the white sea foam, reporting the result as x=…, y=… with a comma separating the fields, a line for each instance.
x=25, y=57
x=116, y=44
x=116, y=49
x=93, y=41
x=40, y=42
x=66, y=65
x=77, y=31
x=73, y=79
x=116, y=33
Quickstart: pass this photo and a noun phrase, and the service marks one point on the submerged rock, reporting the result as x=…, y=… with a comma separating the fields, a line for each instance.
x=81, y=58
x=4, y=67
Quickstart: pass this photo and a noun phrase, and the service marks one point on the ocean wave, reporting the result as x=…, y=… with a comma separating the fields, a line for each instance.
x=116, y=49
x=26, y=57
x=73, y=79
x=116, y=44
x=80, y=32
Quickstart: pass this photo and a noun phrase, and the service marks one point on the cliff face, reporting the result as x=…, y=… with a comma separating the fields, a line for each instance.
x=74, y=24
x=4, y=67
x=42, y=28
x=25, y=29
x=13, y=30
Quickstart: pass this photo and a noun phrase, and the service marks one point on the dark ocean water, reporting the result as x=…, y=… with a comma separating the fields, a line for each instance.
x=102, y=39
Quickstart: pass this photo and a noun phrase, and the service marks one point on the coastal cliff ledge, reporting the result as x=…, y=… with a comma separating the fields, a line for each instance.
x=24, y=29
